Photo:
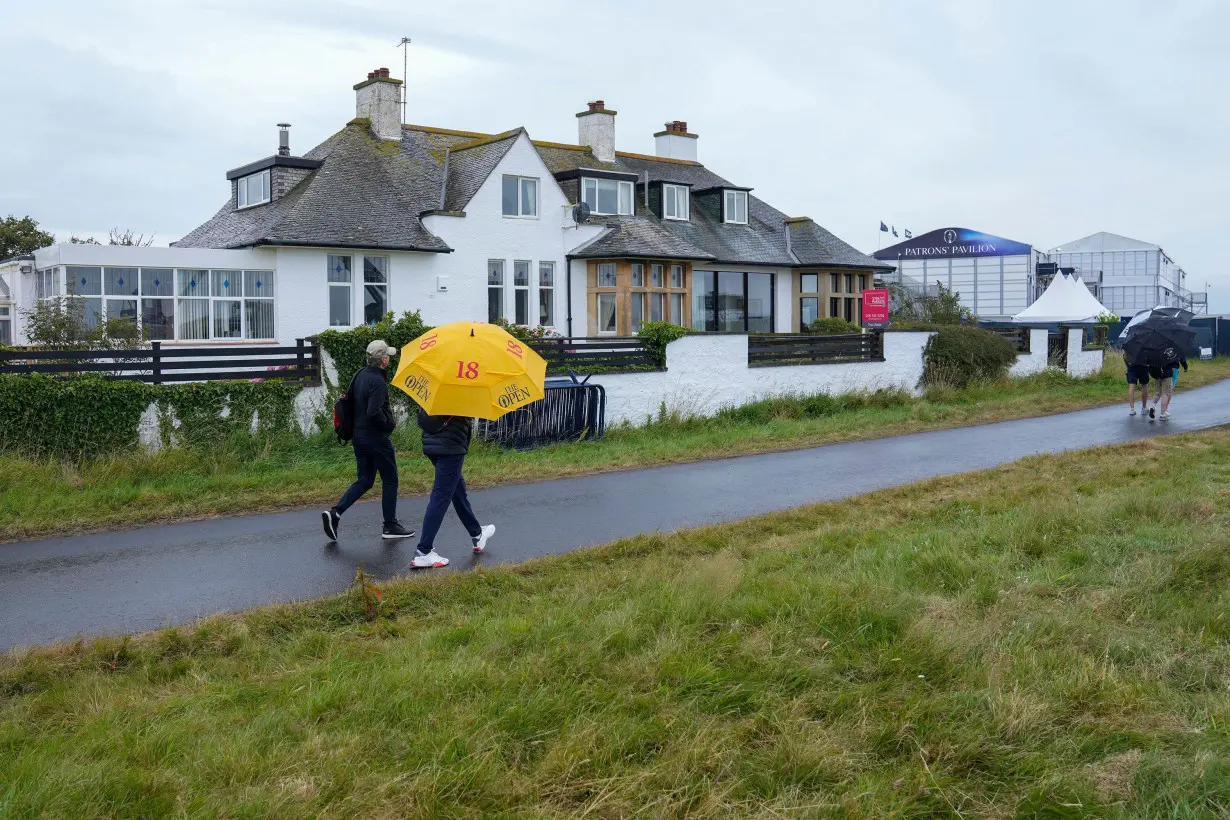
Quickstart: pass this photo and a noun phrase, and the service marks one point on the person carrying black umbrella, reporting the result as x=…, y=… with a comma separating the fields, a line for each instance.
x=1164, y=379
x=1158, y=342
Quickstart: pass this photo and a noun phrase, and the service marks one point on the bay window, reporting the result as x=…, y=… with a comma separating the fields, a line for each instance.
x=608, y=197
x=675, y=202
x=735, y=210
x=626, y=295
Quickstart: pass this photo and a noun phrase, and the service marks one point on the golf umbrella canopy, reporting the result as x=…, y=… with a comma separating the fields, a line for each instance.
x=1177, y=313
x=1158, y=341
x=470, y=369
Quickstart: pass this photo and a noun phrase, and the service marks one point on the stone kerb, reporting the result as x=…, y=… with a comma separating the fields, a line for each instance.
x=706, y=373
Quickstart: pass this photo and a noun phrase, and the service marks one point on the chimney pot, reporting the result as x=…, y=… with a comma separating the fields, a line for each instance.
x=380, y=102
x=283, y=139
x=674, y=142
x=597, y=105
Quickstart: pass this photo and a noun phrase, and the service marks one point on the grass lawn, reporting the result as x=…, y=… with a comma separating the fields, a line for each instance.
x=40, y=497
x=1047, y=639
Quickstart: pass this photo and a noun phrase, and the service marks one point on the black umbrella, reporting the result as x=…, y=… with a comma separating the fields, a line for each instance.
x=1179, y=314
x=1158, y=341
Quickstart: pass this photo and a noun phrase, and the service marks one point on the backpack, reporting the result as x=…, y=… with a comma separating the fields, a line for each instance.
x=343, y=414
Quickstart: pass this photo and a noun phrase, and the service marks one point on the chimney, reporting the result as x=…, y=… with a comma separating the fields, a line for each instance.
x=378, y=98
x=596, y=128
x=283, y=139
x=675, y=142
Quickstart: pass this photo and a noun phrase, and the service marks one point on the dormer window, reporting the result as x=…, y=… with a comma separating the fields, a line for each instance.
x=253, y=189
x=735, y=210
x=675, y=202
x=607, y=197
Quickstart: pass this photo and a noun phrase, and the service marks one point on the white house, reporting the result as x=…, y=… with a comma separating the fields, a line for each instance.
x=384, y=216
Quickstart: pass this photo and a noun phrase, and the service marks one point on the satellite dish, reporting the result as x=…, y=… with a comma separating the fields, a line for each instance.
x=580, y=213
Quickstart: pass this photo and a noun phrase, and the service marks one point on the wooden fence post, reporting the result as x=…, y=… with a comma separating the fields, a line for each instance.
x=299, y=358
x=156, y=362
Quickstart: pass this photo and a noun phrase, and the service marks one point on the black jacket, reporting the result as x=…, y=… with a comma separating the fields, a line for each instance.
x=445, y=435
x=372, y=414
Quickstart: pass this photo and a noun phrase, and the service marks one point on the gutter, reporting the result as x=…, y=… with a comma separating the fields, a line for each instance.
x=340, y=246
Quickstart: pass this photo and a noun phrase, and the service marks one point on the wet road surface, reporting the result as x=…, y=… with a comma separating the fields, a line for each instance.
x=120, y=582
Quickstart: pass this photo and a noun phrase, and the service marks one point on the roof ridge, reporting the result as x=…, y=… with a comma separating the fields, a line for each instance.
x=565, y=146
x=632, y=155
x=453, y=132
x=487, y=140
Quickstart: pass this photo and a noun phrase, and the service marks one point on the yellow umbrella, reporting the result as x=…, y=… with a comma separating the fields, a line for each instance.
x=470, y=369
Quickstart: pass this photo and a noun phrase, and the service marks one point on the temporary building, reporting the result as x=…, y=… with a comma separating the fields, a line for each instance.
x=1066, y=300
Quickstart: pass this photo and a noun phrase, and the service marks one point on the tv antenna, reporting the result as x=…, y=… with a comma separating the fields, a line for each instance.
x=404, y=45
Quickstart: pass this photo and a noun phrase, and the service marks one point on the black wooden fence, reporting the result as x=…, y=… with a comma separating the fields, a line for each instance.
x=783, y=349
x=159, y=365
x=595, y=355
x=1019, y=336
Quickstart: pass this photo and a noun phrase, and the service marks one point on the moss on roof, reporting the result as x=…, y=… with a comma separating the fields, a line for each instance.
x=451, y=132
x=487, y=140
x=631, y=155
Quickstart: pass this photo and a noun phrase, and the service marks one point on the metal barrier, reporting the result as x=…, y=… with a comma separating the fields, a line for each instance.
x=570, y=411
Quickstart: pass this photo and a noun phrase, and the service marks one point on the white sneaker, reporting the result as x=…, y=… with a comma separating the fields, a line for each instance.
x=480, y=543
x=428, y=561
x=1165, y=417
x=1132, y=411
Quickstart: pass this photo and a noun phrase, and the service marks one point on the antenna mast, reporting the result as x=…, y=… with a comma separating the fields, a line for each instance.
x=405, y=73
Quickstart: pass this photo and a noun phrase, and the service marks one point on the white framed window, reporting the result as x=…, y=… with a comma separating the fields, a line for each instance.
x=6, y=325
x=258, y=310
x=47, y=283
x=638, y=311
x=676, y=276
x=341, y=283
x=609, y=197
x=521, y=292
x=675, y=202
x=495, y=290
x=375, y=288
x=546, y=294
x=606, y=313
x=520, y=197
x=658, y=279
x=606, y=275
x=736, y=207
x=253, y=189
x=638, y=275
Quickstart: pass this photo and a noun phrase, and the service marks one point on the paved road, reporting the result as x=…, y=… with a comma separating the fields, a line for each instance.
x=132, y=581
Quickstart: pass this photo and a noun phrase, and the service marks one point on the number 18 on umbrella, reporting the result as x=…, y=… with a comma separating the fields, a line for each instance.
x=470, y=369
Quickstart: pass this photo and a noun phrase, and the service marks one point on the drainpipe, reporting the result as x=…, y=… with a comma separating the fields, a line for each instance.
x=568, y=289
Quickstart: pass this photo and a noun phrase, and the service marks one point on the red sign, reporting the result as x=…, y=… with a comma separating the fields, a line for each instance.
x=875, y=308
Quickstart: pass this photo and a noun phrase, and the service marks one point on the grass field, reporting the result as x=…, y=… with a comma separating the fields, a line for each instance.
x=1047, y=639
x=39, y=497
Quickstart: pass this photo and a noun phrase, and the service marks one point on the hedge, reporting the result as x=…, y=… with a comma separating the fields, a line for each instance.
x=833, y=326
x=89, y=416
x=959, y=354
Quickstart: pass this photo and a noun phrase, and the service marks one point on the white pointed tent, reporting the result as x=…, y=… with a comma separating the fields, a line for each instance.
x=1066, y=300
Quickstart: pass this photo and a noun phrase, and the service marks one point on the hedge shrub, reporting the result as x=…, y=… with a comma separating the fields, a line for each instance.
x=657, y=335
x=961, y=354
x=348, y=348
x=833, y=326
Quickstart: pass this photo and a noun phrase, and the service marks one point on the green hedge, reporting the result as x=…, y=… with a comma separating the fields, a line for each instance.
x=833, y=326
x=89, y=416
x=657, y=335
x=348, y=348
x=960, y=354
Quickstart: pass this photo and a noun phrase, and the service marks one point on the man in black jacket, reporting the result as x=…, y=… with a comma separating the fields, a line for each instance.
x=446, y=440
x=373, y=449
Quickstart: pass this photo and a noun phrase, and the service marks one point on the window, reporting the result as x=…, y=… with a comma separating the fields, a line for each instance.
x=47, y=283
x=809, y=306
x=657, y=306
x=6, y=325
x=253, y=190
x=192, y=318
x=606, y=312
x=732, y=301
x=258, y=304
x=606, y=275
x=657, y=280
x=521, y=292
x=677, y=308
x=157, y=312
x=546, y=294
x=607, y=196
x=226, y=288
x=862, y=282
x=520, y=196
x=340, y=278
x=736, y=207
x=638, y=275
x=495, y=290
x=834, y=307
x=675, y=202
x=849, y=283
x=638, y=311
x=835, y=283
x=849, y=310
x=676, y=276
x=375, y=288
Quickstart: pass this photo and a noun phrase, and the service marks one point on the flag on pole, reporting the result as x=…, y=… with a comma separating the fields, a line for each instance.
x=908, y=235
x=894, y=230
x=883, y=227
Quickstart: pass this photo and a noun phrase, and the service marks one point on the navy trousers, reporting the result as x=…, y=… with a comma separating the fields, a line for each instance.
x=373, y=454
x=449, y=488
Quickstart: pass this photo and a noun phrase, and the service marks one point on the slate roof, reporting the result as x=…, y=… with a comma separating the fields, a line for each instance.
x=372, y=194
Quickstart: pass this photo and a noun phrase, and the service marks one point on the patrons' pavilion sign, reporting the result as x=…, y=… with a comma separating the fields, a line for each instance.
x=953, y=243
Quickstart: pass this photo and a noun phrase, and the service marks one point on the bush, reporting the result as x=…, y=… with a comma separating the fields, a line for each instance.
x=348, y=348
x=657, y=335
x=526, y=333
x=833, y=326
x=962, y=354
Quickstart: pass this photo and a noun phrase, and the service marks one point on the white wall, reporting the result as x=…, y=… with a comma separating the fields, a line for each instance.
x=706, y=373
x=1035, y=361
x=1082, y=363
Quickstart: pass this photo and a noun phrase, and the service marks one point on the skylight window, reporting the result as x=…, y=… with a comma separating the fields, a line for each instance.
x=253, y=190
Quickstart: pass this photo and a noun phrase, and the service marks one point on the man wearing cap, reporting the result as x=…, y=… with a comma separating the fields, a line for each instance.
x=373, y=449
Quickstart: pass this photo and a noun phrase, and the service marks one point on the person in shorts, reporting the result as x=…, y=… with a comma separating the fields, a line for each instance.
x=1137, y=374
x=1164, y=380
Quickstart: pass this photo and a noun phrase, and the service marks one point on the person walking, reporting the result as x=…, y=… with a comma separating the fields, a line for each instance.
x=1165, y=378
x=446, y=441
x=1137, y=374
x=373, y=448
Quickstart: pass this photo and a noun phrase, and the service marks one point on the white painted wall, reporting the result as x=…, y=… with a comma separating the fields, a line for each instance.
x=706, y=373
x=1082, y=363
x=1035, y=361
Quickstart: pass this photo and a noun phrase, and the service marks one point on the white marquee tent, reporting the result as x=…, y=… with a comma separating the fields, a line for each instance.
x=1066, y=300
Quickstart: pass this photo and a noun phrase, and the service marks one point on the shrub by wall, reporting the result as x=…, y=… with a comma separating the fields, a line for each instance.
x=657, y=335
x=833, y=326
x=348, y=348
x=960, y=354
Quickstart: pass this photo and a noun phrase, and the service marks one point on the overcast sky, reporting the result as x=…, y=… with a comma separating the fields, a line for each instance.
x=1039, y=121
